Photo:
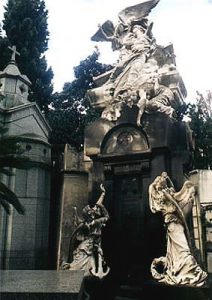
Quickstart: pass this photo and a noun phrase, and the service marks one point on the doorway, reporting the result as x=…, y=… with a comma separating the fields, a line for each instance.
x=127, y=225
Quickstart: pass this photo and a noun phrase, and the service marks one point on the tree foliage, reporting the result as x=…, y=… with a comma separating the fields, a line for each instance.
x=71, y=110
x=5, y=55
x=200, y=114
x=25, y=24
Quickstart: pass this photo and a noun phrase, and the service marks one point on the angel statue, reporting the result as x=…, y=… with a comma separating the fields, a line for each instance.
x=136, y=65
x=179, y=265
x=85, y=251
x=132, y=36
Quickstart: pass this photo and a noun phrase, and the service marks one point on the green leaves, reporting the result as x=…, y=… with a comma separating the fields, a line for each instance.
x=25, y=24
x=71, y=111
x=5, y=53
x=201, y=124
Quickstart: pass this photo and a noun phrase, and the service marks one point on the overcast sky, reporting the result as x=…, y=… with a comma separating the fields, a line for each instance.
x=185, y=23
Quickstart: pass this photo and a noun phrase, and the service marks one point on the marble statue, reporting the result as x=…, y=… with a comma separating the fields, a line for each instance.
x=86, y=240
x=179, y=265
x=138, y=76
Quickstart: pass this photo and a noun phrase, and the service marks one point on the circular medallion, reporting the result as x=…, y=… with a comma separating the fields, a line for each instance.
x=124, y=138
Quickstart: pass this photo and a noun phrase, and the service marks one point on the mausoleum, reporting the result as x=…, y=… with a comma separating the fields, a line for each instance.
x=24, y=239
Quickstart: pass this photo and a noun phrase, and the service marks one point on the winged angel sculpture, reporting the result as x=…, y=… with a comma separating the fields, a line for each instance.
x=85, y=251
x=135, y=79
x=179, y=265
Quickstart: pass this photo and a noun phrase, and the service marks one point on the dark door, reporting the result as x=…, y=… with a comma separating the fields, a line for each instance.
x=127, y=223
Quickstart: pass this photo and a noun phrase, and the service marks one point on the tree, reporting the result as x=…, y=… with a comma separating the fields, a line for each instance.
x=25, y=24
x=71, y=109
x=200, y=114
x=10, y=157
x=5, y=55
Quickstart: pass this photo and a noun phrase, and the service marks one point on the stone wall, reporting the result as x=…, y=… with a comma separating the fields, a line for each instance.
x=203, y=181
x=24, y=242
x=74, y=192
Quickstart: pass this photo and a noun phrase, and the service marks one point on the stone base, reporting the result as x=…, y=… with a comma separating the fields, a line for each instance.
x=54, y=285
x=153, y=290
x=38, y=296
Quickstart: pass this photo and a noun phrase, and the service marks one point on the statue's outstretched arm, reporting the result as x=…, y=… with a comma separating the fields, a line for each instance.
x=102, y=196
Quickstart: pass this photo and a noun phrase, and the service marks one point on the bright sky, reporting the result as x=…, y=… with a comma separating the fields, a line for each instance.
x=185, y=23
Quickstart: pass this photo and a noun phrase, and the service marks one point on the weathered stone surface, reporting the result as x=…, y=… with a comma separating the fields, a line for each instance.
x=24, y=242
x=38, y=296
x=145, y=74
x=75, y=192
x=14, y=86
x=138, y=136
x=139, y=100
x=40, y=284
x=24, y=281
x=27, y=120
x=159, y=130
x=202, y=180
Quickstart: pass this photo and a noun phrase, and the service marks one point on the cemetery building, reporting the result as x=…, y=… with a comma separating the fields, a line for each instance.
x=24, y=239
x=129, y=211
x=138, y=140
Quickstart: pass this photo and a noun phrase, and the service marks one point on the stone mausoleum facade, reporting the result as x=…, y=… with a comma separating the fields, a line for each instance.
x=140, y=151
x=24, y=238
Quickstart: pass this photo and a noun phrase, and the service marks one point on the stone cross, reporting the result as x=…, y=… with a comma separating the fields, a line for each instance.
x=14, y=52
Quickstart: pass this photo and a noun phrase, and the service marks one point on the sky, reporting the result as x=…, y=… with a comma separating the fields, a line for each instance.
x=184, y=23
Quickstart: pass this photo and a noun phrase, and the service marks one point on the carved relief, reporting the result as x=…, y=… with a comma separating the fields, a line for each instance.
x=124, y=139
x=140, y=75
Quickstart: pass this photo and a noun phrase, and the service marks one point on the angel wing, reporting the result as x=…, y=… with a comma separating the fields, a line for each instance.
x=107, y=30
x=137, y=12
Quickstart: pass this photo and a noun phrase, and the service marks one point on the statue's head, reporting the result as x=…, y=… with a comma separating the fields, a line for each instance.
x=164, y=175
x=88, y=213
x=157, y=182
x=120, y=29
x=138, y=29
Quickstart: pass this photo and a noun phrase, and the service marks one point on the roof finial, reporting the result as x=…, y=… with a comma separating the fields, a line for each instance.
x=14, y=52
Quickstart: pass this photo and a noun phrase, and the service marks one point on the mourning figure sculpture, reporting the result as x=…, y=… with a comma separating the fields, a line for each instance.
x=85, y=251
x=140, y=75
x=179, y=265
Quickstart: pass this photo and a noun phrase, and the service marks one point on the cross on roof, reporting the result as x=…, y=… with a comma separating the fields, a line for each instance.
x=14, y=52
